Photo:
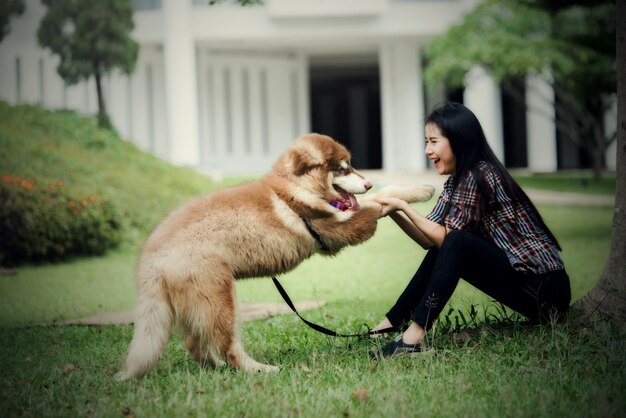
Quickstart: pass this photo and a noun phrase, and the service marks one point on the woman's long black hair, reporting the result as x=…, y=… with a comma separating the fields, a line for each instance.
x=469, y=145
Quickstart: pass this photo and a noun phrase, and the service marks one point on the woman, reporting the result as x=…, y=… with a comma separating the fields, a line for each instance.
x=483, y=229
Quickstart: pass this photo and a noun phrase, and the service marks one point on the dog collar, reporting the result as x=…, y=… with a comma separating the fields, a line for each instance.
x=315, y=235
x=338, y=205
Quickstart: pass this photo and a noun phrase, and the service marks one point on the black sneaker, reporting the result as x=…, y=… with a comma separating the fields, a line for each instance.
x=396, y=348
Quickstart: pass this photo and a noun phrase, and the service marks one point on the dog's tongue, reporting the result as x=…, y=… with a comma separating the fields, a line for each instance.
x=354, y=204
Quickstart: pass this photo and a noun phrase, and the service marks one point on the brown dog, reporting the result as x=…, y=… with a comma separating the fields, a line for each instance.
x=187, y=267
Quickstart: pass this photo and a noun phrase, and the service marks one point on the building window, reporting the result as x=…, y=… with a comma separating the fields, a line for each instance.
x=245, y=86
x=228, y=112
x=264, y=113
x=129, y=105
x=147, y=4
x=295, y=102
x=206, y=2
x=86, y=95
x=150, y=97
x=211, y=97
x=18, y=80
x=65, y=94
x=42, y=90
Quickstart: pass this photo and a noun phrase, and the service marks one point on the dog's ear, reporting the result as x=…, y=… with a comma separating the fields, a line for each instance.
x=303, y=160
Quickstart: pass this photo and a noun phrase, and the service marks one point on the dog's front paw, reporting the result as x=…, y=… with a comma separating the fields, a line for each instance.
x=426, y=193
x=409, y=193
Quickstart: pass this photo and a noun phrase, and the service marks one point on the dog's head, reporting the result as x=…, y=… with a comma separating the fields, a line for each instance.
x=321, y=166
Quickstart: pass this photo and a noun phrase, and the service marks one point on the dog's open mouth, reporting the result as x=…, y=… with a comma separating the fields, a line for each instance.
x=347, y=201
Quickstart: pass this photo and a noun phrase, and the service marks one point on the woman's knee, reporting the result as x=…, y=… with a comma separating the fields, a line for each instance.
x=550, y=297
x=454, y=239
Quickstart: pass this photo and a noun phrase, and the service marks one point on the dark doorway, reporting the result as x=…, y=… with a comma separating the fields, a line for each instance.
x=569, y=155
x=345, y=104
x=456, y=95
x=514, y=123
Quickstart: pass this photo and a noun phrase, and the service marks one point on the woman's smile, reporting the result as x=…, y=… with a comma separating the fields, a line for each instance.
x=439, y=151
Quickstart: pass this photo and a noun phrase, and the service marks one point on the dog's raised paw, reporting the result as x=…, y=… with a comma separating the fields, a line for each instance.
x=409, y=193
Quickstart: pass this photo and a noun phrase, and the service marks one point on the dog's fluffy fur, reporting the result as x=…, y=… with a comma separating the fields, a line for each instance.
x=187, y=267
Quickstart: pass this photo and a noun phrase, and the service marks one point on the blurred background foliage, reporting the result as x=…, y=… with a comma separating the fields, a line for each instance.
x=568, y=44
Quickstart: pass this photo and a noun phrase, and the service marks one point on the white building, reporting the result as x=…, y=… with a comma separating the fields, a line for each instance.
x=226, y=87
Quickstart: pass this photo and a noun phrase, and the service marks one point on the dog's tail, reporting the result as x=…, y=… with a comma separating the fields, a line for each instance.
x=154, y=320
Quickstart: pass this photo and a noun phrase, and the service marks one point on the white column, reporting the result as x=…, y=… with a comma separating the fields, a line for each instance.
x=180, y=83
x=402, y=98
x=482, y=97
x=540, y=125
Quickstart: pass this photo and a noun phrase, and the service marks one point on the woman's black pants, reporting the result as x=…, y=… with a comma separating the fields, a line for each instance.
x=539, y=297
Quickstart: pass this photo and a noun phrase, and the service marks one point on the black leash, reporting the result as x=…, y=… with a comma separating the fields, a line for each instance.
x=320, y=328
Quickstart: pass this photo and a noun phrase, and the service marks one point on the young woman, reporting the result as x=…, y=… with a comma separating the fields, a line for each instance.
x=483, y=229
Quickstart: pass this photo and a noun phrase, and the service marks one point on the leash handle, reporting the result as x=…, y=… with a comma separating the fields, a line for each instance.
x=318, y=327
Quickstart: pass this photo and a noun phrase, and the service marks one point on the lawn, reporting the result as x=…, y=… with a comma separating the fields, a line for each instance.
x=573, y=181
x=504, y=369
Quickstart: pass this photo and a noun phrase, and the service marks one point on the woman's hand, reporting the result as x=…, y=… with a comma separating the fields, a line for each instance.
x=390, y=204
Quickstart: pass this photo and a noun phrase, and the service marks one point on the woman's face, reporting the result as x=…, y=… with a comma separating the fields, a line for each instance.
x=439, y=151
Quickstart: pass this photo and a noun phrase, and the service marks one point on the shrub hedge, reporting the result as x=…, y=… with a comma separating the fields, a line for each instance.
x=44, y=222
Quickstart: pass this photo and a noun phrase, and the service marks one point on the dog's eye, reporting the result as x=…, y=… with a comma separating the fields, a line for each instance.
x=341, y=170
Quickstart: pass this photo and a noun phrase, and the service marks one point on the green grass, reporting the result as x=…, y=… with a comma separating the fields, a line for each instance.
x=507, y=369
x=568, y=181
x=551, y=371
x=504, y=370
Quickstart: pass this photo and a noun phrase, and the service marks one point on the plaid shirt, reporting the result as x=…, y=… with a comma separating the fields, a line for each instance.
x=509, y=226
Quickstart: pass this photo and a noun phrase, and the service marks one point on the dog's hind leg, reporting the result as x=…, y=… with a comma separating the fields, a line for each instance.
x=201, y=350
x=154, y=321
x=214, y=322
x=229, y=345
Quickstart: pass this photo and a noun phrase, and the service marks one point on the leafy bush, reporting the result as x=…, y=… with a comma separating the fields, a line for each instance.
x=46, y=223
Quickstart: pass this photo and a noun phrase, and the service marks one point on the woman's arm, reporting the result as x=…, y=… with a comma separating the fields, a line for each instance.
x=422, y=230
x=411, y=230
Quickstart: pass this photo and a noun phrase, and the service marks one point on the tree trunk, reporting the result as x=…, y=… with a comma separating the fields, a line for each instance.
x=101, y=105
x=607, y=300
x=597, y=162
x=103, y=119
